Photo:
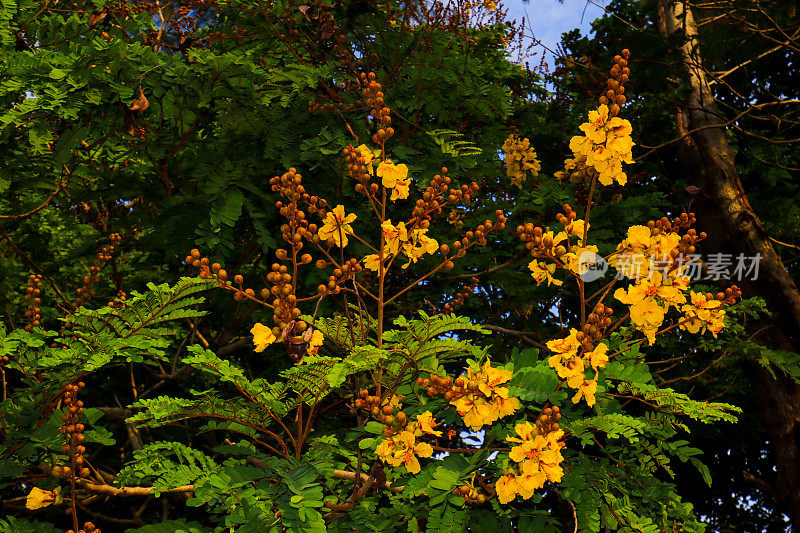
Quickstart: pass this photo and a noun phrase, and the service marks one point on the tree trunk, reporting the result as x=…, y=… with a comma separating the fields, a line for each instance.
x=708, y=163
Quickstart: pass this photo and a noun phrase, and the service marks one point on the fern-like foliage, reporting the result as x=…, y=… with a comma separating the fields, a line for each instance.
x=614, y=425
x=452, y=144
x=139, y=332
x=317, y=376
x=635, y=379
x=427, y=337
x=245, y=416
x=143, y=312
x=270, y=396
x=166, y=465
x=346, y=331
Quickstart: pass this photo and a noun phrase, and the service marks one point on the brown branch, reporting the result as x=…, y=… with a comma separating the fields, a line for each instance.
x=35, y=210
x=520, y=334
x=489, y=270
x=344, y=474
x=131, y=491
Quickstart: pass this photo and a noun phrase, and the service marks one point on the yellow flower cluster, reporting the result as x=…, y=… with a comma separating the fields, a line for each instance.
x=645, y=256
x=520, y=157
x=640, y=253
x=418, y=245
x=574, y=169
x=570, y=361
x=659, y=284
x=703, y=314
x=414, y=244
x=558, y=246
x=394, y=177
x=485, y=400
x=336, y=226
x=263, y=337
x=539, y=460
x=403, y=448
x=543, y=272
x=605, y=145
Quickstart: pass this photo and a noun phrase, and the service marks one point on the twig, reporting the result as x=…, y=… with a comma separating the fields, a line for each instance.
x=131, y=491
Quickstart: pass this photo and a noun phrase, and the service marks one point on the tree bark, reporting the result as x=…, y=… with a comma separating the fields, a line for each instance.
x=708, y=162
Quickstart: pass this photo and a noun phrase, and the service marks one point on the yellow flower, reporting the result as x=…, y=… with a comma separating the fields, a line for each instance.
x=528, y=449
x=641, y=255
x=418, y=245
x=393, y=236
x=395, y=401
x=507, y=487
x=262, y=336
x=586, y=390
x=38, y=498
x=550, y=463
x=532, y=477
x=541, y=272
x=394, y=177
x=650, y=298
x=644, y=308
x=337, y=226
x=577, y=228
x=575, y=260
x=526, y=431
x=567, y=367
x=638, y=237
x=664, y=243
x=539, y=458
x=703, y=314
x=425, y=424
x=540, y=455
x=551, y=240
x=490, y=378
x=565, y=359
x=574, y=169
x=402, y=449
x=599, y=356
x=520, y=157
x=475, y=410
x=648, y=317
x=366, y=153
x=567, y=345
x=316, y=341
x=490, y=401
x=372, y=262
x=400, y=190
x=670, y=293
x=605, y=145
x=504, y=405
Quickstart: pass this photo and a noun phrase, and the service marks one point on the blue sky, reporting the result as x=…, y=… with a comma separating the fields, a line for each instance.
x=549, y=19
